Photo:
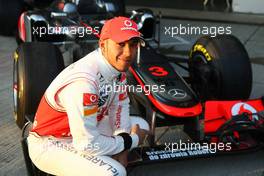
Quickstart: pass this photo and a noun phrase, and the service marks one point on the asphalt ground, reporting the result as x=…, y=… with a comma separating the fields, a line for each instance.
x=11, y=158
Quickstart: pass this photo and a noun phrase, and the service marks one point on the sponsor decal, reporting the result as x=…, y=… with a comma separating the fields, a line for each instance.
x=177, y=93
x=94, y=160
x=122, y=96
x=127, y=23
x=90, y=99
x=128, y=26
x=201, y=48
x=164, y=155
x=103, y=92
x=101, y=163
x=240, y=108
x=118, y=116
x=89, y=110
x=100, y=76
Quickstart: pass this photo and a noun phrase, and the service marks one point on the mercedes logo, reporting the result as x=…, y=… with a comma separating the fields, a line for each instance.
x=177, y=93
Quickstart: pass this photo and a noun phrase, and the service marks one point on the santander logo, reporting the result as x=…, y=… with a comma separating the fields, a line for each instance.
x=240, y=108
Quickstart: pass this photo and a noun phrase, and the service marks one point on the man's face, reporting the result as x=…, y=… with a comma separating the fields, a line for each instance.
x=120, y=55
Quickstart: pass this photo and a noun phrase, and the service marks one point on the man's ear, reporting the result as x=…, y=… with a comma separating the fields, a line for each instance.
x=102, y=45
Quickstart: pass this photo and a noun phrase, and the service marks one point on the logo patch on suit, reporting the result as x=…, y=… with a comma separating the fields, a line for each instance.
x=122, y=96
x=89, y=110
x=104, y=94
x=90, y=99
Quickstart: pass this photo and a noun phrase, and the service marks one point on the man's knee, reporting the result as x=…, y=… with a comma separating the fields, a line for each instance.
x=121, y=170
x=143, y=124
x=114, y=168
x=111, y=167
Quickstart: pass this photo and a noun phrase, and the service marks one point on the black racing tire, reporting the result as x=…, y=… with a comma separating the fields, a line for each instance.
x=35, y=66
x=220, y=68
x=9, y=13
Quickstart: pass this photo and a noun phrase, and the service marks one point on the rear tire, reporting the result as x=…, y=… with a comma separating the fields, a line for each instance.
x=35, y=66
x=220, y=68
x=9, y=13
x=82, y=50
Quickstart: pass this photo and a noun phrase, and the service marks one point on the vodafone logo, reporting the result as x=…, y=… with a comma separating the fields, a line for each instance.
x=240, y=108
x=127, y=23
x=90, y=99
x=93, y=98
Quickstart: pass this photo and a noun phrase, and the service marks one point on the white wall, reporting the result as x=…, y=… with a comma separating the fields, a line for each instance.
x=251, y=6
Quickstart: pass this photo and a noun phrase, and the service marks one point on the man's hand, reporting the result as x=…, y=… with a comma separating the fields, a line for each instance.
x=140, y=132
x=121, y=157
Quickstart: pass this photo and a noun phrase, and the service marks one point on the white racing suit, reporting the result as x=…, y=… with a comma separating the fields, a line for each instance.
x=82, y=120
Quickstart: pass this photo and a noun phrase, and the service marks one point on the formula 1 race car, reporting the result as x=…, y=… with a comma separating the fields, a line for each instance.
x=12, y=9
x=210, y=101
